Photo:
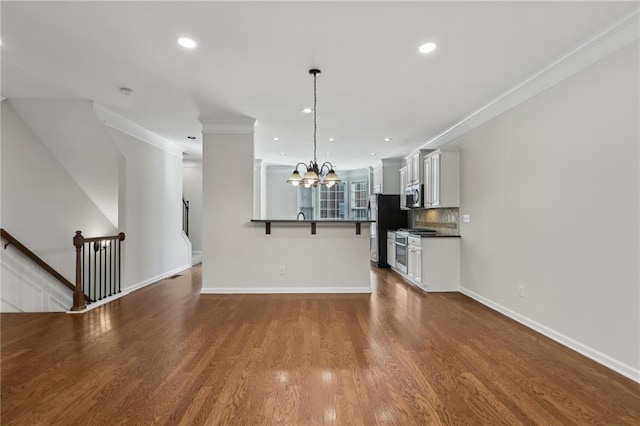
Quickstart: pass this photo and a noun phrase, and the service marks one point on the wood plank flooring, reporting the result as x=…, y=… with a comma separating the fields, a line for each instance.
x=167, y=355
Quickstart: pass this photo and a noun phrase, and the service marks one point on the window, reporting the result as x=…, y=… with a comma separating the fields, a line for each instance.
x=305, y=201
x=359, y=198
x=346, y=200
x=332, y=202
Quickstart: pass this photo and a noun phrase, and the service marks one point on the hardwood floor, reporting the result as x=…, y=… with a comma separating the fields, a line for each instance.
x=167, y=355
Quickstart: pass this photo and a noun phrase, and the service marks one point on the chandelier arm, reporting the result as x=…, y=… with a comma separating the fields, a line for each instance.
x=303, y=164
x=328, y=165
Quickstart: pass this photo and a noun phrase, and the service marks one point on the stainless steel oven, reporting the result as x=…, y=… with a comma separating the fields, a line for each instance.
x=401, y=251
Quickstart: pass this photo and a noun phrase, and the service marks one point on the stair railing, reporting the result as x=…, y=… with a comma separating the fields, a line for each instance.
x=11, y=240
x=98, y=263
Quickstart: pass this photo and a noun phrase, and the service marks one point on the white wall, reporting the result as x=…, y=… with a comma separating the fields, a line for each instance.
x=552, y=188
x=154, y=247
x=70, y=129
x=192, y=190
x=42, y=206
x=282, y=197
x=387, y=175
x=239, y=257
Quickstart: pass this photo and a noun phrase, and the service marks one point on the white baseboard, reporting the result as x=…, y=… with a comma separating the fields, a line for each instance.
x=284, y=290
x=101, y=302
x=617, y=366
x=196, y=257
x=157, y=278
x=132, y=288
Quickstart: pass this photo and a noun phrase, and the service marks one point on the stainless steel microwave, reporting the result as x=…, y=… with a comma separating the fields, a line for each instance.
x=414, y=196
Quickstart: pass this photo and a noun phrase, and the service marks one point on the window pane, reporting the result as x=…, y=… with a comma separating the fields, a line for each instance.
x=306, y=201
x=332, y=202
x=359, y=198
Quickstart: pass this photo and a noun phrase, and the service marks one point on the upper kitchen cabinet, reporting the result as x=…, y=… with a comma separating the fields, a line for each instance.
x=403, y=187
x=441, y=179
x=414, y=165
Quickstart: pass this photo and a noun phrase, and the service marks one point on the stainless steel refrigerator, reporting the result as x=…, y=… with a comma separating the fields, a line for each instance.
x=385, y=210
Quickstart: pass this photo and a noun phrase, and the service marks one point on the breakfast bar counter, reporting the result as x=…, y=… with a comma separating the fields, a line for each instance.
x=267, y=223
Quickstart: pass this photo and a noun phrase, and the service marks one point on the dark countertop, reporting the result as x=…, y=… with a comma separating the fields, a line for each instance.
x=312, y=221
x=436, y=235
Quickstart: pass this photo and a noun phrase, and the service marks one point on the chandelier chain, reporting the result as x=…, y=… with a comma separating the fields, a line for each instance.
x=315, y=125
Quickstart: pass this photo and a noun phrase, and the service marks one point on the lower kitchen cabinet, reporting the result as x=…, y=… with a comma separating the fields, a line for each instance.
x=414, y=262
x=434, y=263
x=391, y=249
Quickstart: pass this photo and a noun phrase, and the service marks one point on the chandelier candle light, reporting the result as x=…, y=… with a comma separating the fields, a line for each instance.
x=314, y=174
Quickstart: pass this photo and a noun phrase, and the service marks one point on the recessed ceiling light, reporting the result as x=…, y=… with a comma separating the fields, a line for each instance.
x=373, y=154
x=283, y=153
x=307, y=110
x=126, y=91
x=332, y=139
x=191, y=137
x=427, y=48
x=328, y=154
x=276, y=139
x=186, y=42
x=388, y=139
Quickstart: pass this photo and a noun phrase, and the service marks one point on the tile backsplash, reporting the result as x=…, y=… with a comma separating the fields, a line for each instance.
x=445, y=221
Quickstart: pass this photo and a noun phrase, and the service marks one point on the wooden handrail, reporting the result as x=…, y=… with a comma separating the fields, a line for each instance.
x=120, y=237
x=34, y=257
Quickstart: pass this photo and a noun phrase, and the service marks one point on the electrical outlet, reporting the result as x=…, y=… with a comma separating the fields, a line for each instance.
x=281, y=269
x=466, y=218
x=521, y=290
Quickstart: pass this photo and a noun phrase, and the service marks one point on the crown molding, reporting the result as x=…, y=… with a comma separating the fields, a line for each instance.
x=124, y=125
x=613, y=38
x=228, y=125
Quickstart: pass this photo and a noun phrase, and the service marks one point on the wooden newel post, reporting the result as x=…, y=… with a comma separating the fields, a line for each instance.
x=78, y=294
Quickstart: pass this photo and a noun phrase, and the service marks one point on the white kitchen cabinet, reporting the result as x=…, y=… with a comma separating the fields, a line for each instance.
x=442, y=179
x=440, y=264
x=433, y=264
x=403, y=188
x=415, y=160
x=391, y=249
x=414, y=266
x=414, y=166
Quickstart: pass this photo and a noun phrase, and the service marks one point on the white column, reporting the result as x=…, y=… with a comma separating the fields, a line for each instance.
x=227, y=195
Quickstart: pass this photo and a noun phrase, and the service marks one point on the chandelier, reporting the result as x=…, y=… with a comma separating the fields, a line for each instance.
x=313, y=174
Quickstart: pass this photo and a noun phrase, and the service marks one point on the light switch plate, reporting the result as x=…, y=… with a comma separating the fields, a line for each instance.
x=466, y=218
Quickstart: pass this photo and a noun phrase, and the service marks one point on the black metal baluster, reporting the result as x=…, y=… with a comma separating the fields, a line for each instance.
x=92, y=283
x=104, y=291
x=84, y=286
x=95, y=270
x=111, y=267
x=119, y=264
x=104, y=249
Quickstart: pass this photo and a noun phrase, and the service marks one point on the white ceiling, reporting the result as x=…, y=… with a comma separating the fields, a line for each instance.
x=253, y=59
